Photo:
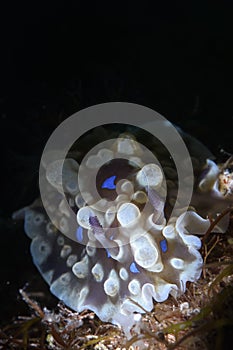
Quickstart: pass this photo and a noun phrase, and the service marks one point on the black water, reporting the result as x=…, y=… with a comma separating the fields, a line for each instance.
x=60, y=57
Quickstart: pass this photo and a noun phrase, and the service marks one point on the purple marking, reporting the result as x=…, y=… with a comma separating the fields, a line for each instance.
x=79, y=234
x=163, y=245
x=109, y=183
x=133, y=268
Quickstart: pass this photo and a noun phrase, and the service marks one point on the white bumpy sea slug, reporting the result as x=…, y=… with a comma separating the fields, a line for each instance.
x=129, y=255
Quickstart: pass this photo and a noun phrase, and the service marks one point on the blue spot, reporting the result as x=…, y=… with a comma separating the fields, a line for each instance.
x=133, y=268
x=163, y=245
x=108, y=254
x=79, y=234
x=109, y=183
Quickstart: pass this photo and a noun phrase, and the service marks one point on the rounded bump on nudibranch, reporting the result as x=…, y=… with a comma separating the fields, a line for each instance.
x=123, y=273
x=83, y=216
x=62, y=173
x=125, y=186
x=150, y=175
x=158, y=267
x=140, y=197
x=145, y=252
x=91, y=250
x=126, y=145
x=65, y=278
x=106, y=155
x=98, y=272
x=32, y=226
x=128, y=214
x=169, y=232
x=38, y=219
x=63, y=225
x=112, y=284
x=66, y=250
x=110, y=215
x=95, y=161
x=79, y=201
x=71, y=186
x=50, y=229
x=71, y=260
x=81, y=268
x=40, y=251
x=177, y=263
x=134, y=287
x=60, y=240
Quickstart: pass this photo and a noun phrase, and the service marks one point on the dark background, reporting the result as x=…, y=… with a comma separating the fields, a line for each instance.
x=175, y=57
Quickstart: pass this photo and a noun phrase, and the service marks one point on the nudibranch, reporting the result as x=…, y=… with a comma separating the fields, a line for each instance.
x=119, y=261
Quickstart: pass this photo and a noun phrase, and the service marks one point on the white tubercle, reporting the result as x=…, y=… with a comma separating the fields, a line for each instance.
x=110, y=215
x=140, y=197
x=128, y=214
x=177, y=263
x=112, y=284
x=123, y=273
x=169, y=232
x=127, y=146
x=106, y=155
x=79, y=201
x=125, y=186
x=83, y=216
x=95, y=161
x=150, y=175
x=81, y=268
x=134, y=287
x=146, y=253
x=98, y=272
x=62, y=172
